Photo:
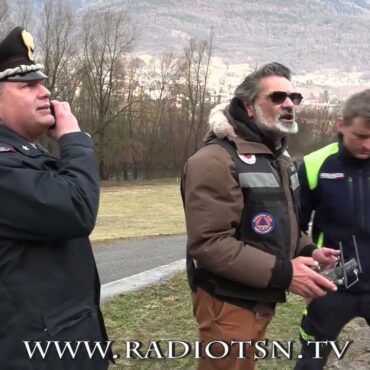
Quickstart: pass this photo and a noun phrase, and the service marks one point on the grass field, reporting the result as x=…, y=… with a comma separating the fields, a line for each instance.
x=164, y=312
x=132, y=210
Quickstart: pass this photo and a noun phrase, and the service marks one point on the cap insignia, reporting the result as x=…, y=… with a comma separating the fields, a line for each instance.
x=28, y=41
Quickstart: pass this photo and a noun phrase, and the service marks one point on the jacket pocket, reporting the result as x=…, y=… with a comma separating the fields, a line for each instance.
x=66, y=315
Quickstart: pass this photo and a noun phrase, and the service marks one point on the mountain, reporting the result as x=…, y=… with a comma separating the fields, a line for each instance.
x=307, y=35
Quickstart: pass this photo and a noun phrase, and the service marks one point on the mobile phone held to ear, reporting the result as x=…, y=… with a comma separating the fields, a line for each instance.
x=53, y=114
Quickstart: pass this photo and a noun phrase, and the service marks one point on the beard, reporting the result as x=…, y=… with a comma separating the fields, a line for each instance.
x=275, y=127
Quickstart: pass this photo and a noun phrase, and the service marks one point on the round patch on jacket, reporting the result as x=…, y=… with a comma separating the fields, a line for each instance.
x=263, y=223
x=247, y=158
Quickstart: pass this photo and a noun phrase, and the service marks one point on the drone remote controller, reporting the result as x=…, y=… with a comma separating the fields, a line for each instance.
x=337, y=274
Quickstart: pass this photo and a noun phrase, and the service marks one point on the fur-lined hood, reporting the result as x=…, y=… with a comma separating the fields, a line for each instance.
x=218, y=122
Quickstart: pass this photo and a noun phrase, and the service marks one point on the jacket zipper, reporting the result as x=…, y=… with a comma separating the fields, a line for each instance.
x=366, y=209
x=361, y=190
x=350, y=185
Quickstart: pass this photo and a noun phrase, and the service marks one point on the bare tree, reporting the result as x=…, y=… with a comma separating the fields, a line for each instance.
x=317, y=127
x=134, y=101
x=108, y=35
x=22, y=13
x=195, y=69
x=124, y=157
x=59, y=49
x=162, y=75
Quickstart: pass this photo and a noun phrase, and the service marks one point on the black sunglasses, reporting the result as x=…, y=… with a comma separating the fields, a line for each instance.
x=278, y=97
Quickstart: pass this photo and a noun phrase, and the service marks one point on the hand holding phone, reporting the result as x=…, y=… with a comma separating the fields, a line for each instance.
x=52, y=111
x=65, y=123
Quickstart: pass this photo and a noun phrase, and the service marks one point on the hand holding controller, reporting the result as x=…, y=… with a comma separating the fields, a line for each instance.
x=338, y=274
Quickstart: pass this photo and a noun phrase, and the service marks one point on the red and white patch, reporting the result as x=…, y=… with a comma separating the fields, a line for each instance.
x=248, y=158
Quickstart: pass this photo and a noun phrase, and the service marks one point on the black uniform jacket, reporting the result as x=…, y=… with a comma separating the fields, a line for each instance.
x=49, y=286
x=341, y=201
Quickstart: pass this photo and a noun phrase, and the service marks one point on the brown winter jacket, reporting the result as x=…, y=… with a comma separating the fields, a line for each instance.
x=213, y=209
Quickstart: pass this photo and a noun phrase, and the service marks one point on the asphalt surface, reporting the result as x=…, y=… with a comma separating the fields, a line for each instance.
x=122, y=258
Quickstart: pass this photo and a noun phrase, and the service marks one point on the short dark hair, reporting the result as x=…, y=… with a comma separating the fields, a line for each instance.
x=249, y=89
x=358, y=105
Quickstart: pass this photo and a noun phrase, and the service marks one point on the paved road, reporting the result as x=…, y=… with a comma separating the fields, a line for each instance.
x=121, y=258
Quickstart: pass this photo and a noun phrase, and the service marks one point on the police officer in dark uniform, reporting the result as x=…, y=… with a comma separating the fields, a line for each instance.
x=49, y=286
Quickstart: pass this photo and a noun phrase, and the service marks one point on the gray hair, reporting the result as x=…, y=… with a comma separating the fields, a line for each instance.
x=249, y=89
x=358, y=105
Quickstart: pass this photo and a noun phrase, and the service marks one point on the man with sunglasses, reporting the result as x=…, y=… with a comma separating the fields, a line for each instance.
x=240, y=193
x=335, y=184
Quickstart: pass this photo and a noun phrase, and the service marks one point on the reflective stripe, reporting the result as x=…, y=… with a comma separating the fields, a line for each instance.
x=305, y=336
x=315, y=160
x=294, y=180
x=258, y=180
x=320, y=240
x=331, y=176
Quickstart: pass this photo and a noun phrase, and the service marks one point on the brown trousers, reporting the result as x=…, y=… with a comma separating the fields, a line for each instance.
x=222, y=321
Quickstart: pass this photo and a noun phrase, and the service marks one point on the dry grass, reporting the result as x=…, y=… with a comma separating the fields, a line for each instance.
x=139, y=209
x=164, y=312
